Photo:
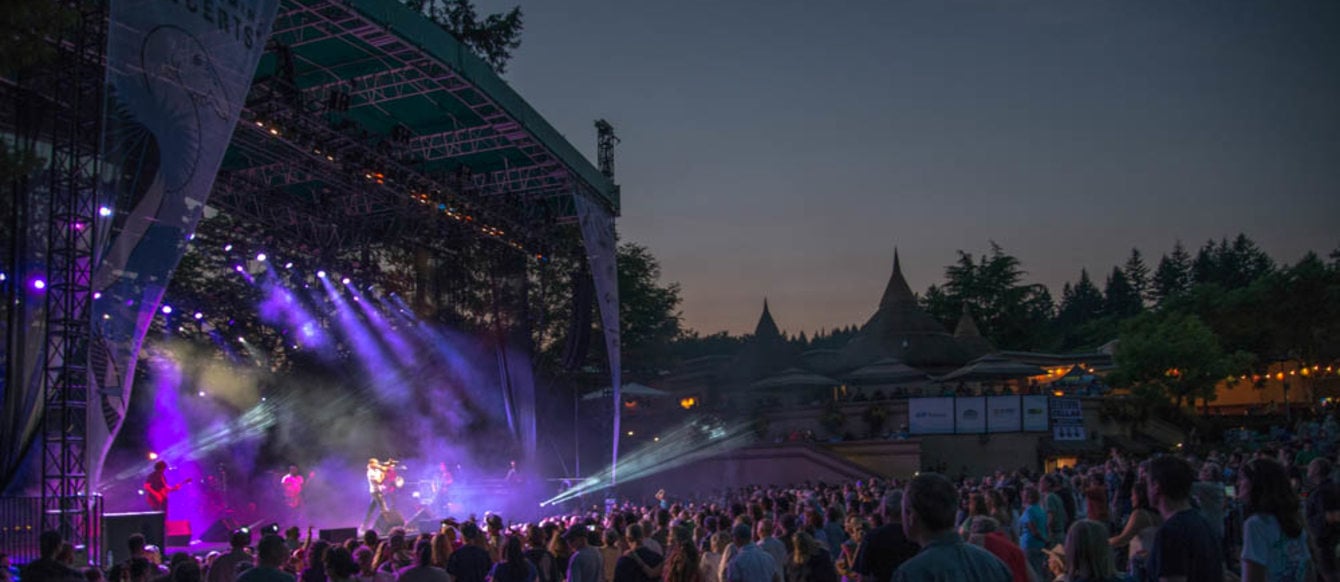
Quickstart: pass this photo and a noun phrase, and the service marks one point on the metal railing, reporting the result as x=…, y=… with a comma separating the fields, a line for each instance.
x=21, y=526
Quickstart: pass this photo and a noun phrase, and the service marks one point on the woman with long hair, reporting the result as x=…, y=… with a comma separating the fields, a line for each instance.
x=1274, y=539
x=856, y=528
x=340, y=565
x=562, y=552
x=998, y=509
x=809, y=561
x=546, y=567
x=1088, y=557
x=442, y=548
x=1138, y=535
x=709, y=565
x=681, y=562
x=977, y=507
x=513, y=567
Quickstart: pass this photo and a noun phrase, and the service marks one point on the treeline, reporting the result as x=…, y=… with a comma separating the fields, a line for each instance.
x=1248, y=301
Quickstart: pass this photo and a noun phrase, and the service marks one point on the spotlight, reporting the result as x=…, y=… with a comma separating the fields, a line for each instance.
x=345, y=280
x=201, y=393
x=104, y=211
x=237, y=268
x=96, y=294
x=153, y=456
x=321, y=274
x=167, y=309
x=199, y=315
x=3, y=277
x=228, y=247
x=260, y=258
x=190, y=236
x=288, y=265
x=39, y=284
x=241, y=339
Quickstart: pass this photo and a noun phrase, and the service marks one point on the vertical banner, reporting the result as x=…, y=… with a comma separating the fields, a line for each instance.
x=1035, y=413
x=601, y=253
x=1003, y=414
x=1067, y=416
x=177, y=76
x=930, y=415
x=970, y=415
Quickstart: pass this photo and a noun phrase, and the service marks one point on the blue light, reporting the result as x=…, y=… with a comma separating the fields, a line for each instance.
x=167, y=309
x=321, y=274
x=104, y=212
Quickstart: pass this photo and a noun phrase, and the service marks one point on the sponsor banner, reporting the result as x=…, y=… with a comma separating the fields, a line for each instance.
x=1035, y=413
x=970, y=415
x=1067, y=415
x=1003, y=414
x=930, y=415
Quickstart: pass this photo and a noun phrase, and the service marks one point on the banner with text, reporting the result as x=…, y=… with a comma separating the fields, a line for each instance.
x=178, y=74
x=1067, y=416
x=1003, y=414
x=930, y=415
x=970, y=415
x=1035, y=413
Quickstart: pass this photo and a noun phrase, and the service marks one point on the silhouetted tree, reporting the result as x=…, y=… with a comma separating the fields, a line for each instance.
x=1173, y=275
x=1137, y=274
x=492, y=38
x=1120, y=298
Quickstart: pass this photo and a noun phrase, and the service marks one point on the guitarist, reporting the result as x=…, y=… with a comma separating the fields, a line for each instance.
x=156, y=489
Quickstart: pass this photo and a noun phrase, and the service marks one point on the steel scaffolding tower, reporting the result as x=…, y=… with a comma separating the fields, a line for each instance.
x=75, y=90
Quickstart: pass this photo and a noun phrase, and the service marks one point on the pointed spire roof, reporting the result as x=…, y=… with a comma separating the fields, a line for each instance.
x=766, y=328
x=967, y=326
x=897, y=291
x=969, y=337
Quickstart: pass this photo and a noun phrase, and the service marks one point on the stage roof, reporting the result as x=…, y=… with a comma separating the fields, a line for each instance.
x=348, y=84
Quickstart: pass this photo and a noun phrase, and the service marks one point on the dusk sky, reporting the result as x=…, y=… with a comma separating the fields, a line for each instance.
x=783, y=148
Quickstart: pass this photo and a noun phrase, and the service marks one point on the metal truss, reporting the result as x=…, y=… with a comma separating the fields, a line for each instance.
x=76, y=85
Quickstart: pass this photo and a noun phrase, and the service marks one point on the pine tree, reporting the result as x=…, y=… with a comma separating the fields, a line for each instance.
x=1120, y=299
x=1173, y=275
x=1137, y=274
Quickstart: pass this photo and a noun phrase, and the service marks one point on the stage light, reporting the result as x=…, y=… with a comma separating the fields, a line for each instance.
x=199, y=315
x=288, y=265
x=241, y=339
x=228, y=247
x=345, y=280
x=260, y=258
x=3, y=277
x=97, y=295
x=153, y=456
x=321, y=274
x=167, y=310
x=104, y=212
x=39, y=284
x=201, y=393
x=106, y=317
x=237, y=268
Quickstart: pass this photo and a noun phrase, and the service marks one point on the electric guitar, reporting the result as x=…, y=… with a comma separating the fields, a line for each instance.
x=158, y=498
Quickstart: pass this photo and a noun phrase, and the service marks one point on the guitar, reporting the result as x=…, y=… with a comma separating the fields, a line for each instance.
x=158, y=498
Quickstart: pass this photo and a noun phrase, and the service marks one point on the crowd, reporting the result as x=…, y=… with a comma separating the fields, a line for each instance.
x=1272, y=513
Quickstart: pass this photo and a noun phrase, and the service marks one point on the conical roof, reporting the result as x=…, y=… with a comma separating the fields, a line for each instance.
x=793, y=378
x=901, y=329
x=992, y=367
x=766, y=327
x=969, y=338
x=886, y=371
x=763, y=354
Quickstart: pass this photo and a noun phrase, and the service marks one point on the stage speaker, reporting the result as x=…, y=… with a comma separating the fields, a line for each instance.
x=117, y=527
x=219, y=531
x=178, y=533
x=338, y=535
x=389, y=519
